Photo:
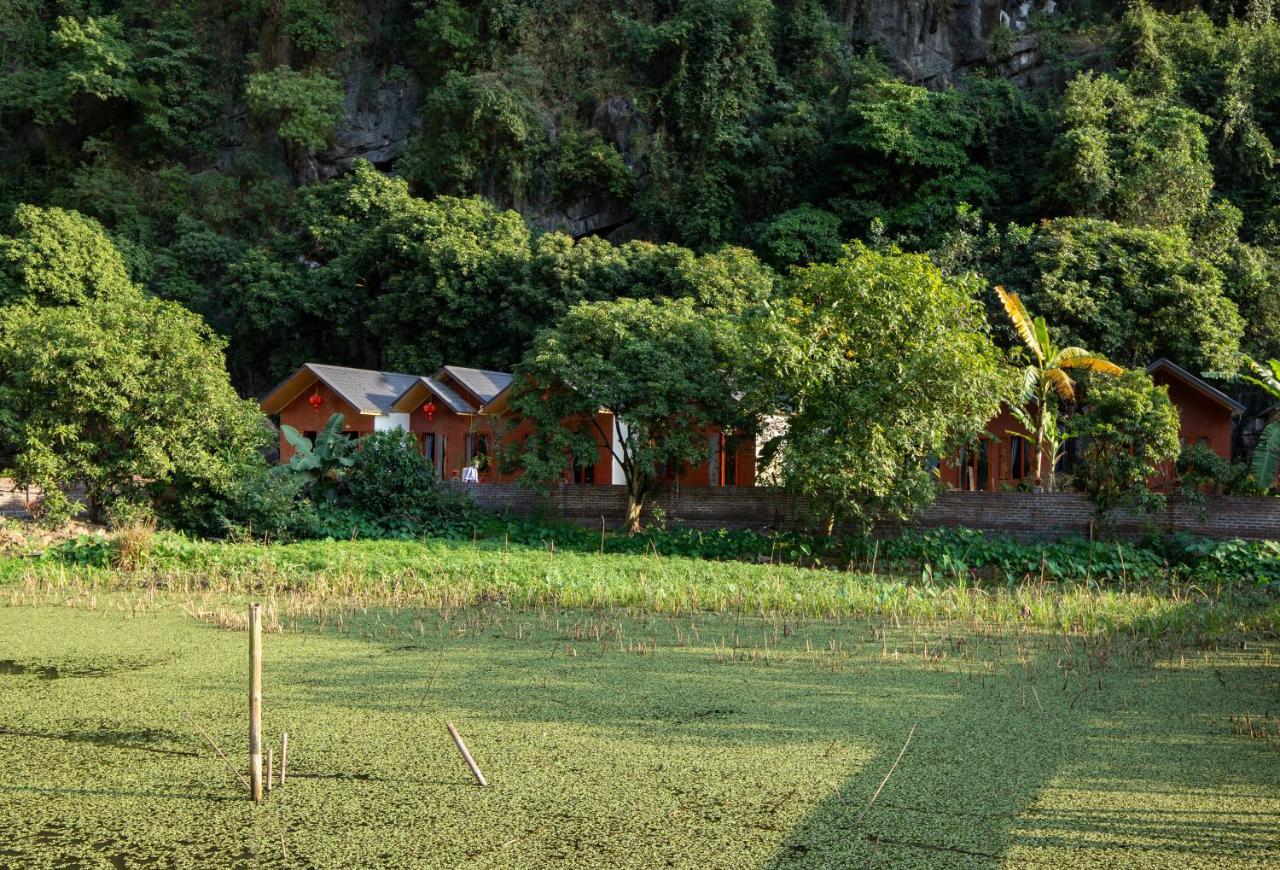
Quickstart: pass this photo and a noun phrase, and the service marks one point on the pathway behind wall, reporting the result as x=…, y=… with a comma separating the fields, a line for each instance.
x=1023, y=515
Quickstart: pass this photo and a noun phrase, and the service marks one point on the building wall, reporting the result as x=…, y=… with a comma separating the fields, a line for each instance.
x=1000, y=448
x=1024, y=515
x=450, y=430
x=1203, y=419
x=387, y=422
x=300, y=415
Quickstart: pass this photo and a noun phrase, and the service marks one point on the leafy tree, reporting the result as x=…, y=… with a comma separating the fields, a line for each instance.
x=59, y=257
x=390, y=479
x=882, y=362
x=1135, y=160
x=1127, y=429
x=910, y=156
x=308, y=105
x=800, y=237
x=104, y=386
x=1131, y=294
x=659, y=368
x=1046, y=380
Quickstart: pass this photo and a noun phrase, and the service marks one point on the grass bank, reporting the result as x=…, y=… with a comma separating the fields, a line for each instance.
x=619, y=740
x=313, y=577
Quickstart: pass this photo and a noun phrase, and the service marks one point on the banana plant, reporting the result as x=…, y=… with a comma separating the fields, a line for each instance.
x=1266, y=456
x=322, y=463
x=1047, y=381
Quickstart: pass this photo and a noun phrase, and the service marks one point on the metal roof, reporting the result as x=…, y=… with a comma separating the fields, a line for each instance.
x=484, y=384
x=369, y=391
x=1199, y=383
x=443, y=391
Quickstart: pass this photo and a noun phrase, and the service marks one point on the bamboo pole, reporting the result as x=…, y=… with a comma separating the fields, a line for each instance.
x=255, y=702
x=284, y=755
x=466, y=756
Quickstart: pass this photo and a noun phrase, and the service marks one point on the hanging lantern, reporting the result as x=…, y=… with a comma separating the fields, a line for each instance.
x=316, y=400
x=429, y=409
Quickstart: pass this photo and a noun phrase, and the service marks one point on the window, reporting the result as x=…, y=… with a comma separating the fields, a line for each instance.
x=974, y=466
x=429, y=450
x=584, y=473
x=1019, y=457
x=723, y=468
x=476, y=446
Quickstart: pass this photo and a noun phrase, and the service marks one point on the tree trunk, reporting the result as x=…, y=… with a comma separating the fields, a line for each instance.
x=635, y=504
x=829, y=524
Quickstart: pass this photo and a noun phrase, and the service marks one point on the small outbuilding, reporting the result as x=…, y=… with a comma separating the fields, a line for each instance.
x=310, y=396
x=1208, y=414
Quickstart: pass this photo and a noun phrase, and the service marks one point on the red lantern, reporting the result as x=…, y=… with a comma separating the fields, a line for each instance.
x=429, y=409
x=316, y=401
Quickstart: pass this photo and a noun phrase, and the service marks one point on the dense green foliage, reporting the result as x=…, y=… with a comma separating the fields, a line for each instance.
x=664, y=369
x=188, y=132
x=884, y=361
x=104, y=386
x=1132, y=202
x=1128, y=430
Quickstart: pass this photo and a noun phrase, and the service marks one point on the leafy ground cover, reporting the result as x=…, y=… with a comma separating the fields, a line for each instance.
x=617, y=738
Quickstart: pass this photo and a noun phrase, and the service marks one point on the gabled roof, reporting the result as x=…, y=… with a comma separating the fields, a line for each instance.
x=1200, y=384
x=369, y=392
x=483, y=384
x=442, y=391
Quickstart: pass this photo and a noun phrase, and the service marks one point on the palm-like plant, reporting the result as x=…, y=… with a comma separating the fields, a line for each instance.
x=1047, y=379
x=323, y=463
x=1266, y=456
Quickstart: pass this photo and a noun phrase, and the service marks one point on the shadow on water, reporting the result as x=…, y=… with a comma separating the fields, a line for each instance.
x=136, y=739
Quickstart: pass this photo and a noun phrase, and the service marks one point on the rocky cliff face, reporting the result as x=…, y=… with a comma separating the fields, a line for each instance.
x=929, y=42
x=933, y=42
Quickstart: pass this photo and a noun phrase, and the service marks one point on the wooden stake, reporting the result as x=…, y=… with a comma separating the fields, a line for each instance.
x=255, y=702
x=284, y=755
x=271, y=768
x=863, y=814
x=466, y=756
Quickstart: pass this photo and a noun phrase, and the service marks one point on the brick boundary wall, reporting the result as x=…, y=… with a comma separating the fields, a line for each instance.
x=14, y=499
x=1022, y=515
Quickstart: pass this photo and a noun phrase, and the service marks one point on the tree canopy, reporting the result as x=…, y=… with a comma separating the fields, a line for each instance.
x=104, y=386
x=661, y=370
x=886, y=362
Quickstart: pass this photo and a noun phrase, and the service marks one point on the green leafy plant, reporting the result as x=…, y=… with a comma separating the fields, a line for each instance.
x=1266, y=456
x=321, y=464
x=1046, y=381
x=1128, y=429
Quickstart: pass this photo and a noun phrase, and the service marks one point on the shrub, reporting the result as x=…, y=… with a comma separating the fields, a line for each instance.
x=390, y=479
x=267, y=503
x=134, y=526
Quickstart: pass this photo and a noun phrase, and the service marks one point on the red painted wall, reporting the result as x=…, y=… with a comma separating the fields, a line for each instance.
x=450, y=430
x=300, y=415
x=1202, y=417
x=1000, y=472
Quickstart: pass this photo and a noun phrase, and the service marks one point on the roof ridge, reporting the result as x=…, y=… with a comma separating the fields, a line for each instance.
x=365, y=371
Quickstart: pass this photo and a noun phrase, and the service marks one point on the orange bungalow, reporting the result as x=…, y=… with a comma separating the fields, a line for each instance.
x=310, y=396
x=1001, y=458
x=459, y=415
x=1208, y=415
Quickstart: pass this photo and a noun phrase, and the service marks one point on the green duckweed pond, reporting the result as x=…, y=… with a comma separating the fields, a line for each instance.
x=618, y=739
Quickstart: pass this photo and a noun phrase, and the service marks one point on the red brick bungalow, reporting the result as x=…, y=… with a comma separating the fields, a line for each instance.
x=310, y=396
x=1002, y=456
x=459, y=415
